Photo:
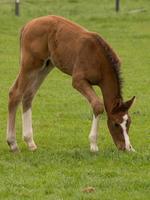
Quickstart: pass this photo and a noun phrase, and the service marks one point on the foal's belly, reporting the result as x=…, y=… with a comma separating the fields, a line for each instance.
x=63, y=60
x=62, y=66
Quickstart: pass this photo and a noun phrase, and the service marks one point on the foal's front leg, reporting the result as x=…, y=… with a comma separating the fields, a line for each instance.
x=86, y=89
x=93, y=136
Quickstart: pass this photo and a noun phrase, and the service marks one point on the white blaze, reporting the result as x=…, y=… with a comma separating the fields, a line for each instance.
x=128, y=146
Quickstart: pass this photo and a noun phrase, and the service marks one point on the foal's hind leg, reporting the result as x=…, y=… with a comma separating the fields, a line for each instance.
x=15, y=95
x=23, y=89
x=86, y=89
x=33, y=85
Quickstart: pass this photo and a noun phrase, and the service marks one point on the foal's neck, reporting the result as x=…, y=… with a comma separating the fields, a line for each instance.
x=111, y=90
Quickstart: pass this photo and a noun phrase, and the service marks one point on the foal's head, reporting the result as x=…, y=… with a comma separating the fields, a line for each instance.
x=119, y=122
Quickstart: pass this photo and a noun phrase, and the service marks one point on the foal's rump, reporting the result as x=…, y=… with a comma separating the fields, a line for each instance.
x=34, y=42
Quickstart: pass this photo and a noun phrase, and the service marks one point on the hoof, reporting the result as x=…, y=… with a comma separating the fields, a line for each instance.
x=32, y=147
x=14, y=148
x=30, y=143
x=94, y=148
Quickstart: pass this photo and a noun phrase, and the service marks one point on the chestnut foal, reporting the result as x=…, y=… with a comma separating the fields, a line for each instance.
x=51, y=41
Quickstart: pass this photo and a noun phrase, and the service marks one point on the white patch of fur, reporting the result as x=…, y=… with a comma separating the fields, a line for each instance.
x=27, y=123
x=27, y=129
x=128, y=146
x=94, y=134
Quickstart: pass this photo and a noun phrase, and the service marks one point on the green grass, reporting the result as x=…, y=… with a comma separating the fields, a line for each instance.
x=63, y=166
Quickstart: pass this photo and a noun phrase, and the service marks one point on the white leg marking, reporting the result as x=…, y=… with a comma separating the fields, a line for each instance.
x=128, y=146
x=94, y=134
x=27, y=123
x=27, y=129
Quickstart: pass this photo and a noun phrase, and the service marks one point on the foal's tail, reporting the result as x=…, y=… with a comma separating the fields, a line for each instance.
x=21, y=33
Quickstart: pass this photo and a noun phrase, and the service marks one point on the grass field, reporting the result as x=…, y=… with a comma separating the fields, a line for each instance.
x=63, y=166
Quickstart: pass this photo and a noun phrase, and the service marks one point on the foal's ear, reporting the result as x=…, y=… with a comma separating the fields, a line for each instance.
x=119, y=106
x=115, y=106
x=129, y=103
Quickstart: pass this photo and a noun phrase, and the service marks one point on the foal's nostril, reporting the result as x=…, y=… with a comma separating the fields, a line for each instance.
x=130, y=148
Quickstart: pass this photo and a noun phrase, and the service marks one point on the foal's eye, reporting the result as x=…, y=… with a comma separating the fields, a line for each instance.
x=116, y=125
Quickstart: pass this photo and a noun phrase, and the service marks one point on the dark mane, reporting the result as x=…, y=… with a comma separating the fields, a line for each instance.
x=114, y=60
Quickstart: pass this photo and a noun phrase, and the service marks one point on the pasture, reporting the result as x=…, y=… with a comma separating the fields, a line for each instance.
x=62, y=167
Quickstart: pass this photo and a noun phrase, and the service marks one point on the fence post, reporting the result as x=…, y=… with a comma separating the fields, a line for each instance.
x=17, y=2
x=117, y=5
